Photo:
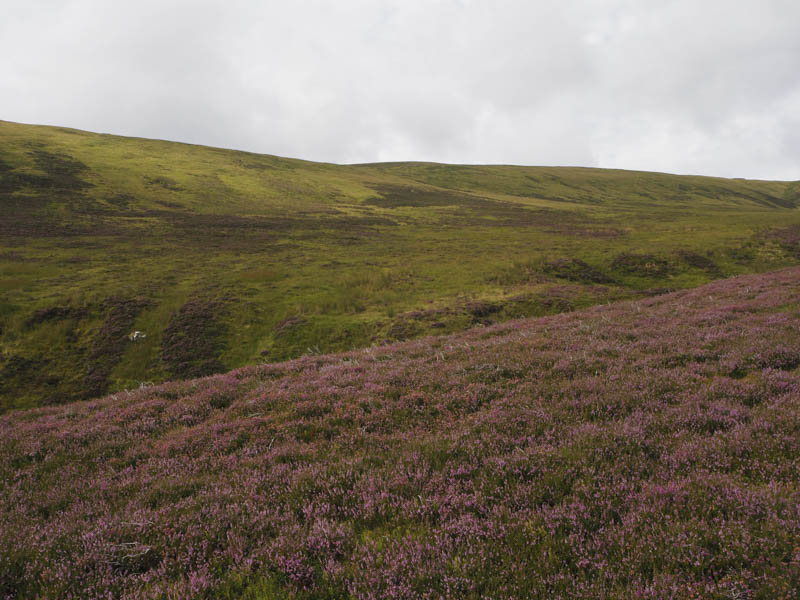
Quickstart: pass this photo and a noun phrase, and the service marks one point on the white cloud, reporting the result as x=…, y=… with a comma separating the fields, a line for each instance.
x=680, y=86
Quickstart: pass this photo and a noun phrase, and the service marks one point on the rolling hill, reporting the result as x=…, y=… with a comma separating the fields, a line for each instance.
x=644, y=449
x=222, y=258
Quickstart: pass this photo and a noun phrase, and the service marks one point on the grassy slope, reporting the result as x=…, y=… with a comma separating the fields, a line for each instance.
x=644, y=449
x=226, y=258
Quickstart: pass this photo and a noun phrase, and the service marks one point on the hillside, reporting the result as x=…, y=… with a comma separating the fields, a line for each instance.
x=644, y=449
x=223, y=258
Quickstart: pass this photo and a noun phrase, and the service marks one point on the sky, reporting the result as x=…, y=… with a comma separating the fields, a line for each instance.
x=708, y=87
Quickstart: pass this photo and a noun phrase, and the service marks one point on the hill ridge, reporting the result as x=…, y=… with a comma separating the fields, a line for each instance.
x=75, y=130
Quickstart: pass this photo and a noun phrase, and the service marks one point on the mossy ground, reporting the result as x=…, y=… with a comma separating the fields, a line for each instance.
x=284, y=257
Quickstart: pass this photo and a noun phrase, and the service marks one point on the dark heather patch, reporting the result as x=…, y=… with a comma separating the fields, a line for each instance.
x=194, y=339
x=62, y=170
x=62, y=173
x=461, y=209
x=26, y=372
x=55, y=313
x=698, y=261
x=109, y=343
x=483, y=310
x=25, y=217
x=163, y=182
x=788, y=237
x=573, y=269
x=121, y=200
x=642, y=265
x=23, y=214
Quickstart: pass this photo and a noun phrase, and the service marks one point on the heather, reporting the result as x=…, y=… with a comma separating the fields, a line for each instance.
x=642, y=449
x=225, y=259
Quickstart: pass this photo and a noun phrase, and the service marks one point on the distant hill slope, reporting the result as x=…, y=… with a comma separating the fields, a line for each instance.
x=644, y=449
x=223, y=258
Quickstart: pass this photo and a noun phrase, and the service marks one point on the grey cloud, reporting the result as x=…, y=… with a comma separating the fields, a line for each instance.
x=680, y=86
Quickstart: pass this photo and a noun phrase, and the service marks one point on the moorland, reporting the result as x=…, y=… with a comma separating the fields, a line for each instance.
x=221, y=258
x=643, y=449
x=226, y=375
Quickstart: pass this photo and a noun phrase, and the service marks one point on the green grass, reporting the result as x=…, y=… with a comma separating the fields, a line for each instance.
x=101, y=235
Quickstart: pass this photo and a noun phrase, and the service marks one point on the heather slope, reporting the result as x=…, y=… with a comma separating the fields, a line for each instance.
x=644, y=449
x=225, y=258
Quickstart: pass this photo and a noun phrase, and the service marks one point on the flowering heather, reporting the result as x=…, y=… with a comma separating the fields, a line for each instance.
x=645, y=449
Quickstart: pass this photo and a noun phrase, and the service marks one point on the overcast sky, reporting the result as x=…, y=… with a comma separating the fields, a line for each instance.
x=684, y=86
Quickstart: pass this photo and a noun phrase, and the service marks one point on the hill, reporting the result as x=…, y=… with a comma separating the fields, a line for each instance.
x=643, y=449
x=223, y=258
